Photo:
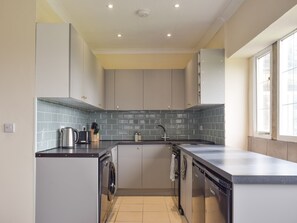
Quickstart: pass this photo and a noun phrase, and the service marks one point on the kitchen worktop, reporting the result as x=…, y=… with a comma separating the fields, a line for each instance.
x=97, y=149
x=243, y=167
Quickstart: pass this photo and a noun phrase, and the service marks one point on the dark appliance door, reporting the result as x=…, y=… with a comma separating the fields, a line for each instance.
x=111, y=181
x=176, y=152
x=198, y=190
x=217, y=199
x=104, y=187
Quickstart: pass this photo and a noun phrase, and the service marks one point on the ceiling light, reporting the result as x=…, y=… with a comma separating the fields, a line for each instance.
x=176, y=5
x=119, y=35
x=110, y=6
x=168, y=34
x=143, y=12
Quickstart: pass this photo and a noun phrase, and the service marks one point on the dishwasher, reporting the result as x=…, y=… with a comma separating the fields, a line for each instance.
x=218, y=199
x=198, y=190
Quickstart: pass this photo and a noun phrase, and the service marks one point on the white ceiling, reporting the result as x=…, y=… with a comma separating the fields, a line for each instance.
x=193, y=23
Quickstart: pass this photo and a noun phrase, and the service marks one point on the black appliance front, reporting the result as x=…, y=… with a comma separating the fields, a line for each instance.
x=218, y=199
x=106, y=186
x=176, y=153
x=198, y=189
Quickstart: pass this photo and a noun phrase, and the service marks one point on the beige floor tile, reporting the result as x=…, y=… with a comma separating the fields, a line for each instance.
x=153, y=200
x=171, y=207
x=175, y=217
x=153, y=217
x=155, y=207
x=129, y=217
x=132, y=200
x=131, y=207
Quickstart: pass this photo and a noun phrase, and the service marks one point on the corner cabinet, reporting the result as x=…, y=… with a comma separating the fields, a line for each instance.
x=66, y=69
x=205, y=78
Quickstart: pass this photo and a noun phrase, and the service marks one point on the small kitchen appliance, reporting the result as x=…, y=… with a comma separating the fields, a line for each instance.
x=69, y=136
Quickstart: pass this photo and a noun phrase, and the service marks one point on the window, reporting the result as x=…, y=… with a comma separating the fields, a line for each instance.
x=263, y=63
x=288, y=85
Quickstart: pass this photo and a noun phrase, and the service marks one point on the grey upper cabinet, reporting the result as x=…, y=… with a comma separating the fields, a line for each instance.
x=66, y=70
x=205, y=78
x=156, y=166
x=129, y=90
x=191, y=83
x=178, y=89
x=157, y=89
x=109, y=89
x=129, y=166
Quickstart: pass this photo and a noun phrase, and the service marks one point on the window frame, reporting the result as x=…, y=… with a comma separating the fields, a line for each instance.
x=282, y=137
x=260, y=54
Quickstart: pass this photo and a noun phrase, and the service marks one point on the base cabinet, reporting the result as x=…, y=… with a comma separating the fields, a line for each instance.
x=129, y=166
x=67, y=190
x=144, y=167
x=186, y=185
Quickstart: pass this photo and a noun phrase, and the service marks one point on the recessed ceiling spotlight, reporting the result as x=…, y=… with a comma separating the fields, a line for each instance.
x=143, y=12
x=169, y=35
x=176, y=5
x=119, y=35
x=110, y=6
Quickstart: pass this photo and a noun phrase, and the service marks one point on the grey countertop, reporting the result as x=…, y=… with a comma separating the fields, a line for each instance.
x=98, y=149
x=243, y=167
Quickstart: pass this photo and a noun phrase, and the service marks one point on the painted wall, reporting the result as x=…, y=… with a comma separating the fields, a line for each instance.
x=251, y=19
x=17, y=90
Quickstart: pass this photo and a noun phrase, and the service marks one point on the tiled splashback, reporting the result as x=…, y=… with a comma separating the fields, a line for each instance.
x=207, y=124
x=121, y=125
x=51, y=117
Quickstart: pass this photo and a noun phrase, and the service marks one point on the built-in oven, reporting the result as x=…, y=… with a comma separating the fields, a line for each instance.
x=176, y=154
x=107, y=185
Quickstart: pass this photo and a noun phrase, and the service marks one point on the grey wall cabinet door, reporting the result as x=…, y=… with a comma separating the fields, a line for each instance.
x=109, y=89
x=129, y=90
x=129, y=166
x=67, y=190
x=178, y=89
x=191, y=83
x=157, y=89
x=156, y=166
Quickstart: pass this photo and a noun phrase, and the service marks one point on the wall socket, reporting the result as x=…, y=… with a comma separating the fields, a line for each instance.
x=201, y=127
x=9, y=127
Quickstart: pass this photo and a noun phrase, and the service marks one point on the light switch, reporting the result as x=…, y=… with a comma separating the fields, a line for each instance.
x=9, y=127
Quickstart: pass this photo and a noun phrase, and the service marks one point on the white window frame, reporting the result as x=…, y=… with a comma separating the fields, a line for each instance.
x=281, y=137
x=258, y=55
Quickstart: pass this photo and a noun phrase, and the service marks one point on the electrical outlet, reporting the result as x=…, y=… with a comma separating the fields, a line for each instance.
x=9, y=127
x=201, y=127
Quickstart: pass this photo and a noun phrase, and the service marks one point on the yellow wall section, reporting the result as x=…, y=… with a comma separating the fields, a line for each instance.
x=144, y=61
x=44, y=13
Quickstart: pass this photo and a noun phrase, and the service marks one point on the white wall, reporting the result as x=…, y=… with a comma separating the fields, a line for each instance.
x=17, y=79
x=236, y=103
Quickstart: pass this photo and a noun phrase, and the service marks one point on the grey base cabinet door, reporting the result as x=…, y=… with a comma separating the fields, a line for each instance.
x=67, y=190
x=129, y=166
x=156, y=166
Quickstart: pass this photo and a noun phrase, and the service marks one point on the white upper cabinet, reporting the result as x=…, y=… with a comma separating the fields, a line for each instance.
x=129, y=90
x=211, y=76
x=157, y=89
x=109, y=89
x=66, y=69
x=205, y=78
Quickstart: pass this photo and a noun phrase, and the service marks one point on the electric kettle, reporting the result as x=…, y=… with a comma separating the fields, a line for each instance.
x=69, y=136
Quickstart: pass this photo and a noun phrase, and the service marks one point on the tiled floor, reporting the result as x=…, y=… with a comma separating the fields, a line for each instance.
x=147, y=209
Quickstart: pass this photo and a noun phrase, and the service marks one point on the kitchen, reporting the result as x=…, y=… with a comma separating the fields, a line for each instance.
x=21, y=78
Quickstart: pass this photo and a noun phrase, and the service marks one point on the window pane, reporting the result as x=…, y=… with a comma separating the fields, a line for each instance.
x=288, y=86
x=263, y=73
